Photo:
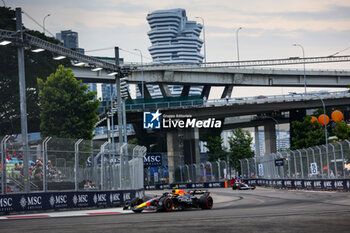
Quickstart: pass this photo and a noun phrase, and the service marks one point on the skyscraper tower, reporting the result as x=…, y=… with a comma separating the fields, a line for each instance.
x=174, y=39
x=69, y=39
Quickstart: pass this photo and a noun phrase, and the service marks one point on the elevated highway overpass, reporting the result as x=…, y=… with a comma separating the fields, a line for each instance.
x=248, y=106
x=262, y=108
x=225, y=76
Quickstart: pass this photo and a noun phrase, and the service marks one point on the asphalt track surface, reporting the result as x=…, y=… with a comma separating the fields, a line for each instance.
x=260, y=210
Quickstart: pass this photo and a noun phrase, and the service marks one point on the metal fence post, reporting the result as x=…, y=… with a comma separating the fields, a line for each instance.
x=342, y=157
x=307, y=162
x=195, y=172
x=44, y=145
x=288, y=159
x=3, y=164
x=181, y=171
x=295, y=165
x=102, y=164
x=76, y=163
x=301, y=164
x=188, y=173
x=273, y=165
x=321, y=162
x=133, y=166
x=211, y=169
x=335, y=161
x=328, y=173
x=241, y=166
x=218, y=163
x=204, y=172
x=256, y=170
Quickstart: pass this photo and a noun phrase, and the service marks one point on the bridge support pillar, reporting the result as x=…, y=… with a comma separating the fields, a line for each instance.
x=270, y=136
x=206, y=91
x=192, y=151
x=185, y=90
x=257, y=141
x=164, y=88
x=173, y=147
x=227, y=91
x=147, y=95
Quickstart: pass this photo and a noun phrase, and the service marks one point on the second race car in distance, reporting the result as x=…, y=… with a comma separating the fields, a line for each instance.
x=176, y=200
x=241, y=185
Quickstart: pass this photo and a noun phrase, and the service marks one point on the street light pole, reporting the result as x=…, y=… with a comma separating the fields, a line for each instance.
x=23, y=102
x=205, y=52
x=4, y=3
x=44, y=22
x=237, y=43
x=302, y=48
x=142, y=82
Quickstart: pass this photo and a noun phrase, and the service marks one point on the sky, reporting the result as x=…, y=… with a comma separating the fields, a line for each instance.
x=269, y=28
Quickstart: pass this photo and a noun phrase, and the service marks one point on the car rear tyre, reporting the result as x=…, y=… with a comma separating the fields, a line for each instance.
x=206, y=202
x=167, y=204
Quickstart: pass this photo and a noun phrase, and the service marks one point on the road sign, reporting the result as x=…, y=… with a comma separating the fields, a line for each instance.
x=261, y=169
x=313, y=167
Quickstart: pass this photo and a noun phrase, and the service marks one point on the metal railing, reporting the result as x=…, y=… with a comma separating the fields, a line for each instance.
x=189, y=173
x=70, y=164
x=278, y=98
x=309, y=163
x=160, y=105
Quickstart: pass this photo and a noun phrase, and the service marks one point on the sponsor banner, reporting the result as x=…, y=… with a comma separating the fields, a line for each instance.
x=334, y=184
x=152, y=160
x=278, y=162
x=59, y=200
x=186, y=186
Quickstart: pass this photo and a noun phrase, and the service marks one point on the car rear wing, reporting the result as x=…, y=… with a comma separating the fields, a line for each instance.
x=199, y=192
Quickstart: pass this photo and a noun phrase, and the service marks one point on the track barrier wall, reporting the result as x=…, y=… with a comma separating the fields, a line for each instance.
x=65, y=200
x=315, y=184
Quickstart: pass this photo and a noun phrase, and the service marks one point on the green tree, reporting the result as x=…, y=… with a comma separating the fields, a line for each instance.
x=37, y=65
x=307, y=134
x=240, y=147
x=342, y=130
x=67, y=108
x=215, y=149
x=213, y=140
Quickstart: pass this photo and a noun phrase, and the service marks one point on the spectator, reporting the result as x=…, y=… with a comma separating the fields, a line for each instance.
x=38, y=172
x=17, y=168
x=8, y=188
x=20, y=155
x=21, y=167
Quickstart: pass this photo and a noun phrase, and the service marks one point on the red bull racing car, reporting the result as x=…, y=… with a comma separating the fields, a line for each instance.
x=177, y=200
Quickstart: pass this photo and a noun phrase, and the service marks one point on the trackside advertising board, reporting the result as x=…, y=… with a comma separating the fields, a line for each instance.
x=334, y=184
x=59, y=200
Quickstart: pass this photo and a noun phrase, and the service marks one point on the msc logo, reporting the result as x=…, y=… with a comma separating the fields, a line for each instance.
x=151, y=120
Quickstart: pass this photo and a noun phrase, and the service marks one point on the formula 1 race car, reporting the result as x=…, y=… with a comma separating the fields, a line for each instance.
x=177, y=200
x=241, y=185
